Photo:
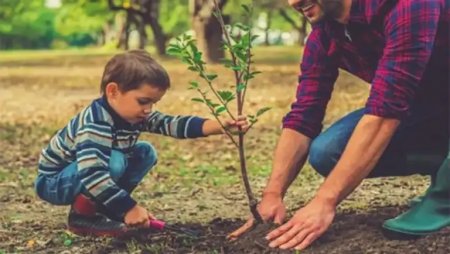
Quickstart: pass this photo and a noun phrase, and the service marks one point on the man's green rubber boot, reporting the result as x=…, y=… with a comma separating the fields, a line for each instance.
x=431, y=214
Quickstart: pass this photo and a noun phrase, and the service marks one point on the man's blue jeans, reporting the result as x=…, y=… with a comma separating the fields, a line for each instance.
x=62, y=188
x=419, y=145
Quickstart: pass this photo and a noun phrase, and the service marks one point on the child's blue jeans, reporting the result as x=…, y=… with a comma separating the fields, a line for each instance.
x=127, y=172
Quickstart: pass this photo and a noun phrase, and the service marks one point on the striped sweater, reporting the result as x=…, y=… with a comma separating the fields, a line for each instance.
x=89, y=138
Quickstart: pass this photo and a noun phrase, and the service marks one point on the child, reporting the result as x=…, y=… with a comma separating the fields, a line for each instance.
x=95, y=162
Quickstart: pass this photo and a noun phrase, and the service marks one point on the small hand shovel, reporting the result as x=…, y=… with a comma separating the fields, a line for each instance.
x=161, y=225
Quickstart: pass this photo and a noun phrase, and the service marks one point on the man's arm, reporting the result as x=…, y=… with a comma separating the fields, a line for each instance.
x=290, y=155
x=409, y=44
x=367, y=143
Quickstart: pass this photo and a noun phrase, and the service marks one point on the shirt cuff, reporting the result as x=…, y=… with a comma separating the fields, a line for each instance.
x=195, y=128
x=385, y=112
x=301, y=129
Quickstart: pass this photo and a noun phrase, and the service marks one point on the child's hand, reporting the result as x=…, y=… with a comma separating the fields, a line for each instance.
x=138, y=216
x=233, y=126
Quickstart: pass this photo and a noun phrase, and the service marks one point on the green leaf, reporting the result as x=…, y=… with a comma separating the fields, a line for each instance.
x=246, y=8
x=211, y=104
x=226, y=95
x=198, y=100
x=211, y=77
x=254, y=37
x=197, y=56
x=194, y=84
x=67, y=242
x=242, y=26
x=227, y=62
x=236, y=68
x=220, y=109
x=173, y=51
x=193, y=68
x=262, y=111
x=240, y=87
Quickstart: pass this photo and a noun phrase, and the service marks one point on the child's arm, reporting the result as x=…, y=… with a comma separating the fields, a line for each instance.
x=174, y=126
x=189, y=126
x=213, y=127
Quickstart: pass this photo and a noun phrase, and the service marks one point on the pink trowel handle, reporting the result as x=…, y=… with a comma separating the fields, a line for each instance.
x=156, y=224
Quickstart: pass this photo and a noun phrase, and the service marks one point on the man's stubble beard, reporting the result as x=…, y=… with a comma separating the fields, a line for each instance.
x=332, y=9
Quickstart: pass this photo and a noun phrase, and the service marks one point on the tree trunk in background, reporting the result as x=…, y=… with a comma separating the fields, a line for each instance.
x=208, y=31
x=301, y=29
x=267, y=28
x=142, y=13
x=151, y=16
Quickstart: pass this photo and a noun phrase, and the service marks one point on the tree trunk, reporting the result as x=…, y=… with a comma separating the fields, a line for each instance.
x=267, y=28
x=140, y=23
x=208, y=31
x=301, y=29
x=158, y=35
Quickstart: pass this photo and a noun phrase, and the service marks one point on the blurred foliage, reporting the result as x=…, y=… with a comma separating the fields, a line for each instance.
x=31, y=24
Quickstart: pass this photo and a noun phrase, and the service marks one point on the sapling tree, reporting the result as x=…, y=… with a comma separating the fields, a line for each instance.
x=218, y=101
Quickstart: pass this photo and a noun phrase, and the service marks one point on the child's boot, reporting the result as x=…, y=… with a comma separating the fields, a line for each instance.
x=431, y=214
x=84, y=219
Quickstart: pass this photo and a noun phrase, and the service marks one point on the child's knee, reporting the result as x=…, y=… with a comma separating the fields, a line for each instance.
x=117, y=164
x=146, y=152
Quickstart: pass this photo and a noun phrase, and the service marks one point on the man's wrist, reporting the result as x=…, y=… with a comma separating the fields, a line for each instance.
x=327, y=198
x=272, y=193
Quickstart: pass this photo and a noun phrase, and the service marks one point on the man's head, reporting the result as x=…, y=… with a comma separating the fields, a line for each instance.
x=317, y=10
x=133, y=82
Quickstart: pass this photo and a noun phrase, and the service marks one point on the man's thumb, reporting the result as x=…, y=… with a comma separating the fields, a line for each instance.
x=279, y=217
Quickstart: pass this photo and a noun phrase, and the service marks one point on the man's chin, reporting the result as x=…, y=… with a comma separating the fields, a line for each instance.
x=314, y=20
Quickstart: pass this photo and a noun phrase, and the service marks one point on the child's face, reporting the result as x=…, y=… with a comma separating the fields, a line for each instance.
x=136, y=104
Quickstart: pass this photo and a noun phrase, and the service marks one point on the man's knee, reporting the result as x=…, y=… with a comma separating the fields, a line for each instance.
x=323, y=155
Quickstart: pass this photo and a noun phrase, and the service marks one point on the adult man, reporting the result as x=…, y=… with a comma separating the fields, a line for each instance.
x=402, y=49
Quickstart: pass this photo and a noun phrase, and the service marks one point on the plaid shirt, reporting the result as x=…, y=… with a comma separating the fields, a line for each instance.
x=400, y=47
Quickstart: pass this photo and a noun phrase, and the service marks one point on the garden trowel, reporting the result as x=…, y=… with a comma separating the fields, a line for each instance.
x=162, y=225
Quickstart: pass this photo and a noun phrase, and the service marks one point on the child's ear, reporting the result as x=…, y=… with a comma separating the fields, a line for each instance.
x=112, y=90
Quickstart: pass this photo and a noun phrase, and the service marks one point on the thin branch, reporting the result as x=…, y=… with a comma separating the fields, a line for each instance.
x=217, y=118
x=202, y=74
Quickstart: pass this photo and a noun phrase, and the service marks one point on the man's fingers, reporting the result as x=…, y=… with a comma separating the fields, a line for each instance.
x=279, y=231
x=296, y=239
x=244, y=228
x=307, y=241
x=279, y=218
x=286, y=237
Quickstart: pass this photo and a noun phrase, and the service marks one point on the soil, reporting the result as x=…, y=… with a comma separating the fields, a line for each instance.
x=351, y=233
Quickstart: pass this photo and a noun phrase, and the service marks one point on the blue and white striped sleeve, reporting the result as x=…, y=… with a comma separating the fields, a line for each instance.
x=175, y=126
x=93, y=151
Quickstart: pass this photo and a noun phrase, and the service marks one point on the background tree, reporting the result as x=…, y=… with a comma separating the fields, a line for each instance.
x=298, y=22
x=141, y=13
x=208, y=31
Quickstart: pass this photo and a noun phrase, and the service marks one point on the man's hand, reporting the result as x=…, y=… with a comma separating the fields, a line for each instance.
x=138, y=216
x=270, y=208
x=305, y=227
